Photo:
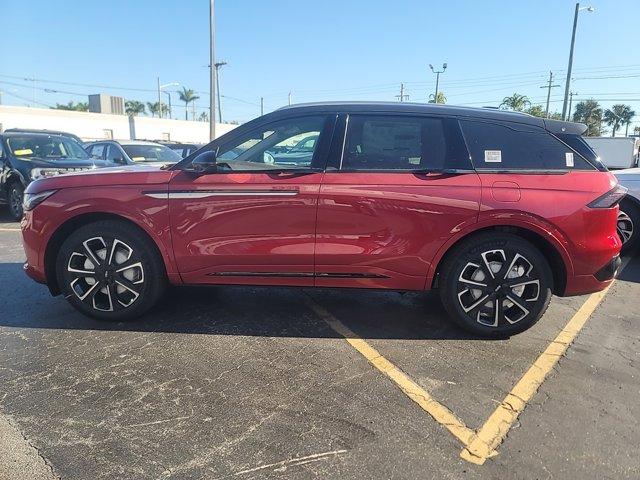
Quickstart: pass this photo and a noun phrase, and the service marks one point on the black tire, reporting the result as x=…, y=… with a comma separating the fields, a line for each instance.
x=495, y=284
x=110, y=270
x=628, y=226
x=15, y=196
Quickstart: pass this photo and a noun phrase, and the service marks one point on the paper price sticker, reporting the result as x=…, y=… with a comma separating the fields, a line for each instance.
x=493, y=156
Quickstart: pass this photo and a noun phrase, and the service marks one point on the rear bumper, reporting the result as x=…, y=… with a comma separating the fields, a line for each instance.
x=601, y=279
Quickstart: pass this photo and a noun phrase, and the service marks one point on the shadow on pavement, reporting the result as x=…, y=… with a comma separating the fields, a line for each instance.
x=235, y=310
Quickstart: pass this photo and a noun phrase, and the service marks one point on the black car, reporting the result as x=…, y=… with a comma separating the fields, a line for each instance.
x=50, y=132
x=27, y=156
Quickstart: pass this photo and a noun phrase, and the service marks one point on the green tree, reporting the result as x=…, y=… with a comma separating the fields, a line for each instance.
x=627, y=117
x=204, y=117
x=515, y=102
x=616, y=116
x=439, y=99
x=134, y=107
x=78, y=107
x=536, y=111
x=589, y=112
x=187, y=96
x=155, y=108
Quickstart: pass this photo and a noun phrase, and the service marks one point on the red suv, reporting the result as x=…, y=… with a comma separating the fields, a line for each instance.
x=496, y=210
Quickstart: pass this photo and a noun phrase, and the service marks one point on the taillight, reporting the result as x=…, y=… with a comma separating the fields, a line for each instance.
x=609, y=199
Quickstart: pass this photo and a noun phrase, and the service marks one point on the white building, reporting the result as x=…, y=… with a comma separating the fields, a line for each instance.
x=97, y=126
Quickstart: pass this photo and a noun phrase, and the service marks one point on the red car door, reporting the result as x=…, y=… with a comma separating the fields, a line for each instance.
x=399, y=187
x=253, y=220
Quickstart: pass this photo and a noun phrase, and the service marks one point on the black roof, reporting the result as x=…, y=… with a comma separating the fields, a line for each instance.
x=555, y=126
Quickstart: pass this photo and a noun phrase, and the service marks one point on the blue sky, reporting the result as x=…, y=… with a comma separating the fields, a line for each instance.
x=318, y=50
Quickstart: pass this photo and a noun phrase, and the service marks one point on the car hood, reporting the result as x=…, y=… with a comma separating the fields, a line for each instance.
x=115, y=176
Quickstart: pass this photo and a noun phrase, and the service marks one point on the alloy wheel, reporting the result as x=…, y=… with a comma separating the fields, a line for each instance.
x=499, y=288
x=624, y=227
x=15, y=201
x=105, y=273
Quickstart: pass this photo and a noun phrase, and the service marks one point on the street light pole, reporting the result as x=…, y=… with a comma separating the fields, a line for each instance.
x=159, y=100
x=438, y=72
x=218, y=65
x=567, y=85
x=212, y=72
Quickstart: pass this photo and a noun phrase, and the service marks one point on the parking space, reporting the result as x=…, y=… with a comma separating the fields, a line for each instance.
x=239, y=382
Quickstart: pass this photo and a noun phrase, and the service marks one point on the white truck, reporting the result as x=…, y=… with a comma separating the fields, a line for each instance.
x=616, y=152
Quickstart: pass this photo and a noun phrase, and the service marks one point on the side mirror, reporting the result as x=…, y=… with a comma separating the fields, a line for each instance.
x=204, y=163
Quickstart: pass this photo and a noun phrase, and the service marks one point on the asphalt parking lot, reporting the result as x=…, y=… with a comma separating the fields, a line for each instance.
x=237, y=382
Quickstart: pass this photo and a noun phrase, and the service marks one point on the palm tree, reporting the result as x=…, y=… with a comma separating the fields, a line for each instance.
x=134, y=107
x=515, y=102
x=155, y=108
x=589, y=113
x=204, y=117
x=627, y=117
x=616, y=116
x=439, y=99
x=187, y=96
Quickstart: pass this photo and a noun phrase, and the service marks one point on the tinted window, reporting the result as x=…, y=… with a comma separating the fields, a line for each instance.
x=114, y=154
x=273, y=146
x=96, y=151
x=582, y=147
x=521, y=147
x=394, y=143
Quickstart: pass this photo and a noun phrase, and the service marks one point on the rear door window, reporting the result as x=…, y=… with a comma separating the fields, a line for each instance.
x=496, y=146
x=388, y=142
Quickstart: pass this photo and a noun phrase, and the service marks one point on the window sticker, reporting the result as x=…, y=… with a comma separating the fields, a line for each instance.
x=569, y=159
x=493, y=156
x=24, y=151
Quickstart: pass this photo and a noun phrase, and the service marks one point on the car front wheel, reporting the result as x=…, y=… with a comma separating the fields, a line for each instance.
x=16, y=194
x=110, y=270
x=496, y=284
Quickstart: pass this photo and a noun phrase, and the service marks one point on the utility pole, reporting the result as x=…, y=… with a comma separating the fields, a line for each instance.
x=159, y=100
x=289, y=98
x=212, y=71
x=261, y=106
x=549, y=86
x=571, y=94
x=402, y=95
x=218, y=65
x=570, y=66
x=444, y=67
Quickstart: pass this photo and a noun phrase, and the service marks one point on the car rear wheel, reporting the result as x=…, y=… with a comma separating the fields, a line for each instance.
x=110, y=270
x=496, y=284
x=16, y=194
x=627, y=226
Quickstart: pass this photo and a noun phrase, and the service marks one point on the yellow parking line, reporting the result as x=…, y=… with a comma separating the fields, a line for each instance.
x=495, y=429
x=415, y=392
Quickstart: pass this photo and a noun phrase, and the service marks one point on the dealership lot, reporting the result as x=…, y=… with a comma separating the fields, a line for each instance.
x=238, y=382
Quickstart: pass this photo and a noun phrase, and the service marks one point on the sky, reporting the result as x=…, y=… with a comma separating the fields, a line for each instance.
x=318, y=50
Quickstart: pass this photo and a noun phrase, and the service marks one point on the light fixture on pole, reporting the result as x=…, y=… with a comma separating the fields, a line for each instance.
x=160, y=87
x=437, y=72
x=567, y=85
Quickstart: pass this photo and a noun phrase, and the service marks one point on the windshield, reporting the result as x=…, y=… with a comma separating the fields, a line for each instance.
x=151, y=153
x=51, y=147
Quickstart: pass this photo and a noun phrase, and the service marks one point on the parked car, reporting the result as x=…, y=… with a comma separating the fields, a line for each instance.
x=184, y=149
x=496, y=210
x=50, y=132
x=629, y=215
x=27, y=156
x=129, y=152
